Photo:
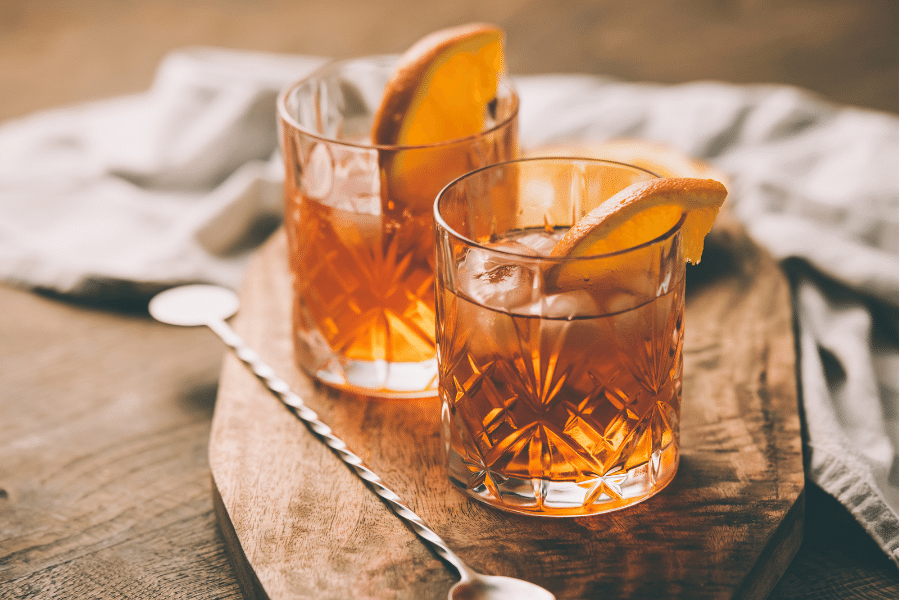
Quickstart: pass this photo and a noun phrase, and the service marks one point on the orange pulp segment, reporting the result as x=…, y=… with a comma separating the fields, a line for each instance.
x=643, y=212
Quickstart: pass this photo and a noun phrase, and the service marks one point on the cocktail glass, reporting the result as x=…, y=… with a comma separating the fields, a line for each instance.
x=560, y=377
x=360, y=236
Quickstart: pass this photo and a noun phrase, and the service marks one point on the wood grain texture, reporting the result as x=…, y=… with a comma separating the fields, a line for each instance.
x=104, y=485
x=727, y=527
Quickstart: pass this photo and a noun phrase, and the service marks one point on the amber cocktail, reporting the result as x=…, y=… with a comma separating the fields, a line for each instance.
x=560, y=377
x=359, y=225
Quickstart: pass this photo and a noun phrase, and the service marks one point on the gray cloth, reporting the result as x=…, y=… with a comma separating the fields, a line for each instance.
x=179, y=184
x=134, y=194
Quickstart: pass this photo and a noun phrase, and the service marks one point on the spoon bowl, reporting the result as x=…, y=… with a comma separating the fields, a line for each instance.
x=209, y=305
x=496, y=587
x=192, y=305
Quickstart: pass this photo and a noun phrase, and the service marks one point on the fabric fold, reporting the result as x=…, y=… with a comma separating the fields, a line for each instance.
x=139, y=193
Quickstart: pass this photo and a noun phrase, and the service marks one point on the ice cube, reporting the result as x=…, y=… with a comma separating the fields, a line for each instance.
x=357, y=230
x=497, y=281
x=565, y=324
x=540, y=243
x=513, y=247
x=567, y=305
x=620, y=301
x=318, y=176
x=488, y=333
x=356, y=186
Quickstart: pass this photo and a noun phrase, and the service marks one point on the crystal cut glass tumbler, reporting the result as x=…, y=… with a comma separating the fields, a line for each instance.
x=359, y=228
x=560, y=378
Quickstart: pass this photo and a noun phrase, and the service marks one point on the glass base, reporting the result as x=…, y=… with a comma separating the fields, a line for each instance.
x=547, y=498
x=379, y=378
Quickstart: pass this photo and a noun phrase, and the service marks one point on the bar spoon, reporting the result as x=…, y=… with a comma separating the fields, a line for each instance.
x=210, y=305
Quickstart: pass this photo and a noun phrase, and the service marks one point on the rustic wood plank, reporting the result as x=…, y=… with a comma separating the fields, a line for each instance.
x=727, y=527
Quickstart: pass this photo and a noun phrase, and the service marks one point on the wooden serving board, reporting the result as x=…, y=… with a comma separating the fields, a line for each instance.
x=299, y=524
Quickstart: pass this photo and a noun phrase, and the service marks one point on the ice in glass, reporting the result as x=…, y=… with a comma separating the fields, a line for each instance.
x=560, y=377
x=358, y=217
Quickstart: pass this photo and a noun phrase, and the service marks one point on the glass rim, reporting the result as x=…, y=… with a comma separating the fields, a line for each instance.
x=281, y=105
x=442, y=224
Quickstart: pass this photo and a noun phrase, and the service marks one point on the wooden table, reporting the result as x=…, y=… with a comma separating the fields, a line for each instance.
x=105, y=415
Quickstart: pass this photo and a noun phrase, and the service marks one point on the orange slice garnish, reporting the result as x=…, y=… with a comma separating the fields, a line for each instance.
x=442, y=91
x=643, y=212
x=441, y=87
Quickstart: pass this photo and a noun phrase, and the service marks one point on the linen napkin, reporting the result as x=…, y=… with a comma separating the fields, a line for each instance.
x=124, y=197
x=131, y=195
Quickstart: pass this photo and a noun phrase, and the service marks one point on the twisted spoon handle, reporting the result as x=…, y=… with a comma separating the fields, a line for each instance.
x=281, y=389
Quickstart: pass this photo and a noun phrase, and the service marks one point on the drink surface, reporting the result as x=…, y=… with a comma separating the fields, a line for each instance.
x=557, y=403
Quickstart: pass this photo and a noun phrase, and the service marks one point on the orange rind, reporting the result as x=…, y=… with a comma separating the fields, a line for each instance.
x=645, y=211
x=441, y=87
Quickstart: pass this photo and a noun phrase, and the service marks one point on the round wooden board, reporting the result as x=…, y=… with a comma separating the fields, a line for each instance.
x=298, y=524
